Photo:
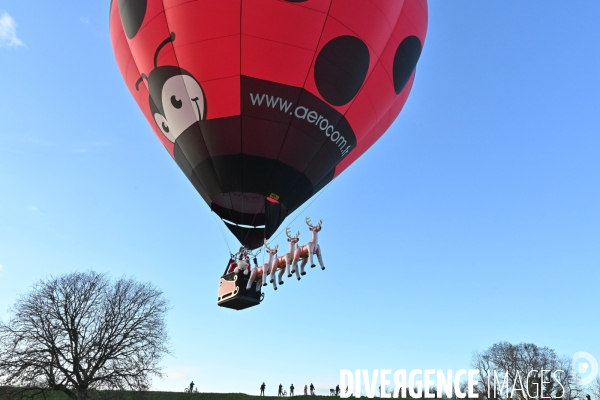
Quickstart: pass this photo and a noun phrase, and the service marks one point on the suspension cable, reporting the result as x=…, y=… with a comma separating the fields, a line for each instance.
x=300, y=213
x=220, y=227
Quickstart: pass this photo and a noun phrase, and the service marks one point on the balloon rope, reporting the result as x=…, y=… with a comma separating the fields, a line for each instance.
x=220, y=227
x=253, y=219
x=302, y=212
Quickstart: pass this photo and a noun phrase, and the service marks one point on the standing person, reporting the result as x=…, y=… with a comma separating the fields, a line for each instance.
x=337, y=390
x=191, y=386
x=262, y=389
x=305, y=390
x=312, y=389
x=280, y=390
x=292, y=390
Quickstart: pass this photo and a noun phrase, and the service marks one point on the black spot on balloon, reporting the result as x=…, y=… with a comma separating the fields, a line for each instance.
x=405, y=61
x=132, y=15
x=341, y=69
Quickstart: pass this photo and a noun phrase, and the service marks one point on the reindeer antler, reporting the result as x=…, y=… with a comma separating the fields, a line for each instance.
x=309, y=223
x=287, y=232
x=270, y=249
x=311, y=226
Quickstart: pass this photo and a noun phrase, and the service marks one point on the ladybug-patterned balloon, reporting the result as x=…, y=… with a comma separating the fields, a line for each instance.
x=262, y=103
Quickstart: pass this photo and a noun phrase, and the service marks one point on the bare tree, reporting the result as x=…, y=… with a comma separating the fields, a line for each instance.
x=82, y=332
x=595, y=389
x=463, y=386
x=521, y=365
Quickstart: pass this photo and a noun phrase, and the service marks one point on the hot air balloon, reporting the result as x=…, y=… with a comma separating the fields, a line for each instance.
x=262, y=103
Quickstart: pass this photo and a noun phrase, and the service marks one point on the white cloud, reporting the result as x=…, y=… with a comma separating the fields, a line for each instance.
x=85, y=20
x=176, y=378
x=33, y=209
x=87, y=148
x=38, y=141
x=8, y=32
x=176, y=375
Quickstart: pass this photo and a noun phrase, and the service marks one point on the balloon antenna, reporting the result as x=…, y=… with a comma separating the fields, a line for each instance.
x=137, y=84
x=160, y=46
x=170, y=39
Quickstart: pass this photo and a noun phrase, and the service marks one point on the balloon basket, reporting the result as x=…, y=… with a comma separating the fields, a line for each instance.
x=233, y=293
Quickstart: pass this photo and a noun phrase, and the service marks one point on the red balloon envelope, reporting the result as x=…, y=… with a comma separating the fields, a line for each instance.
x=262, y=103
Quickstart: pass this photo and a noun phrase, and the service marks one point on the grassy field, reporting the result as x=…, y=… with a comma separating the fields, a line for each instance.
x=107, y=395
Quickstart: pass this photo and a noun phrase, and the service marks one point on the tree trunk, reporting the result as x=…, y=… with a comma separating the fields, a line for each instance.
x=66, y=391
x=82, y=394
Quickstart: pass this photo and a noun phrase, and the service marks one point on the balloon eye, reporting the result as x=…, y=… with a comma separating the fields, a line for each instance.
x=165, y=127
x=176, y=103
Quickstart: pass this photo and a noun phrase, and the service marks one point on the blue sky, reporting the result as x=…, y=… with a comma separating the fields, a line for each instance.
x=475, y=218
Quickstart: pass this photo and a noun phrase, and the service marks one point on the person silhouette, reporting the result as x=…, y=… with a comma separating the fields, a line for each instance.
x=312, y=389
x=280, y=393
x=305, y=390
x=337, y=390
x=191, y=386
x=262, y=389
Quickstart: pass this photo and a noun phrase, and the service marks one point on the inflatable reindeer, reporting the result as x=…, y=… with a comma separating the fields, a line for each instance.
x=289, y=257
x=283, y=263
x=262, y=272
x=306, y=252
